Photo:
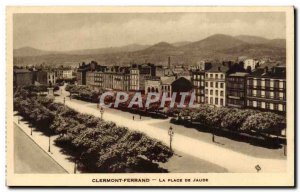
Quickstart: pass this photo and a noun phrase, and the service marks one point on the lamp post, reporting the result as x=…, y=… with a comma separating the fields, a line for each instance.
x=101, y=112
x=171, y=134
x=49, y=149
x=64, y=101
x=283, y=132
x=31, y=130
x=75, y=166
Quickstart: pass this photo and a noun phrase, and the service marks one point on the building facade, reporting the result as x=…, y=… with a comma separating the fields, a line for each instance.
x=198, y=81
x=46, y=77
x=215, y=86
x=236, y=85
x=266, y=89
x=22, y=77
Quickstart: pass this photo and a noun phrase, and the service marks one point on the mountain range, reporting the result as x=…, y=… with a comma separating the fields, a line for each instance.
x=215, y=47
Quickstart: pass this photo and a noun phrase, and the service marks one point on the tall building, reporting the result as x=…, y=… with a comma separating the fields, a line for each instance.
x=198, y=81
x=236, y=85
x=215, y=86
x=266, y=89
x=139, y=74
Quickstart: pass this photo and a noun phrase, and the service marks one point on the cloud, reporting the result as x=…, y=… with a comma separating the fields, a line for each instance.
x=69, y=32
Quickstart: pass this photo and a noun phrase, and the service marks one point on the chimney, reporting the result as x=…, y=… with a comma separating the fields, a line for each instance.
x=169, y=62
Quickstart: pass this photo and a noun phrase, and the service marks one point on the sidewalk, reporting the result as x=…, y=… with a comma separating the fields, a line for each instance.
x=231, y=160
x=43, y=142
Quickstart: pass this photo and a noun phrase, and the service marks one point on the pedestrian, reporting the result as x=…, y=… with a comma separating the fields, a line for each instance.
x=140, y=117
x=133, y=117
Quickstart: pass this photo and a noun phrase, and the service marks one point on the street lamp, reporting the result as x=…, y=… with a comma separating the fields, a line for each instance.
x=31, y=127
x=283, y=132
x=101, y=112
x=171, y=134
x=49, y=150
x=75, y=166
x=64, y=101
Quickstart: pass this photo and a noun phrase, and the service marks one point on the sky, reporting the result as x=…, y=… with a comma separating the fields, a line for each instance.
x=72, y=31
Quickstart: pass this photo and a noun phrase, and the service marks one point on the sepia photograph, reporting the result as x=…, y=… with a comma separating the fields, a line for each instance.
x=150, y=96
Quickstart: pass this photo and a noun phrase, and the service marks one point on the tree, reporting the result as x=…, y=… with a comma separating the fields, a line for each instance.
x=264, y=122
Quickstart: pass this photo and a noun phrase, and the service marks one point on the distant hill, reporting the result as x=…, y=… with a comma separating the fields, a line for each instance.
x=29, y=51
x=181, y=43
x=214, y=42
x=215, y=47
x=252, y=39
x=109, y=50
x=281, y=43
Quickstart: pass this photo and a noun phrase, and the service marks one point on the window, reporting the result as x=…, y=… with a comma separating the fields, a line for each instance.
x=206, y=84
x=211, y=100
x=281, y=84
x=262, y=93
x=211, y=75
x=211, y=92
x=206, y=91
x=206, y=100
x=222, y=93
x=281, y=95
x=271, y=84
x=211, y=84
x=221, y=101
x=217, y=84
x=217, y=76
x=280, y=107
x=221, y=85
x=254, y=82
x=216, y=101
x=254, y=103
x=263, y=105
x=217, y=92
x=221, y=76
x=271, y=106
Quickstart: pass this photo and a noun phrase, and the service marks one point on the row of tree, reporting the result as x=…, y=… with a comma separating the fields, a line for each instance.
x=233, y=119
x=84, y=93
x=96, y=145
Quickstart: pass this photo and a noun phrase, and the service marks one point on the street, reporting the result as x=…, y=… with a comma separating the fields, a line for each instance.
x=30, y=158
x=233, y=161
